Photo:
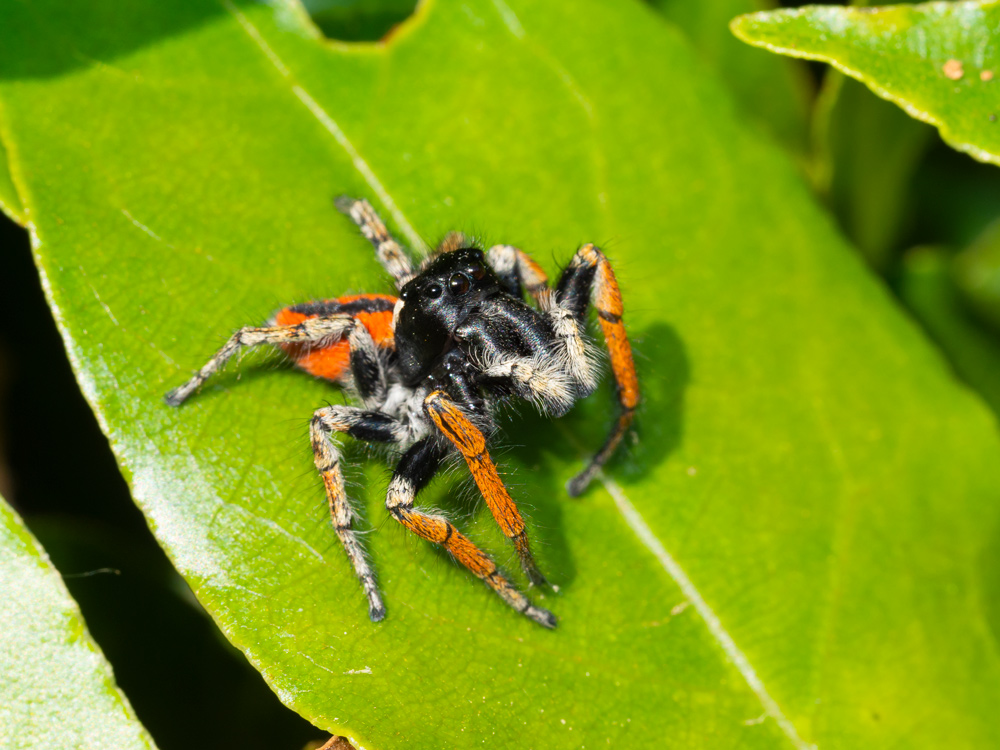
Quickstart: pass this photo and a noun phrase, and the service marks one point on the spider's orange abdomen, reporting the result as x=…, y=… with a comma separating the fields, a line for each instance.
x=331, y=362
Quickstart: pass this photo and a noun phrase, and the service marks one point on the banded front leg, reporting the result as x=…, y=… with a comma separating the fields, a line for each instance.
x=470, y=442
x=416, y=468
x=589, y=278
x=518, y=271
x=370, y=426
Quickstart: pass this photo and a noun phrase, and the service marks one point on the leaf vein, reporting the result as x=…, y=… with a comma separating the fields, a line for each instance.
x=331, y=126
x=719, y=633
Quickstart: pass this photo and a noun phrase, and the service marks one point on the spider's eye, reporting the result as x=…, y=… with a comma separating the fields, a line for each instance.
x=477, y=271
x=458, y=283
x=433, y=291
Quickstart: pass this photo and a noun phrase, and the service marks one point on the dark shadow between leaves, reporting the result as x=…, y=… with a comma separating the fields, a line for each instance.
x=358, y=20
x=664, y=374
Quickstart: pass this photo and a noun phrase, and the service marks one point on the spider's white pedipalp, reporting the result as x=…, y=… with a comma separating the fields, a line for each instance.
x=580, y=359
x=542, y=378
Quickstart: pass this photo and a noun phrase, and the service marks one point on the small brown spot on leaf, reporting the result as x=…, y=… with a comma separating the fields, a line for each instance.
x=337, y=743
x=953, y=69
x=986, y=75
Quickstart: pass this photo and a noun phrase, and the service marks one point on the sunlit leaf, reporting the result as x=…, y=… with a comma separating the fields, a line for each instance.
x=792, y=551
x=938, y=61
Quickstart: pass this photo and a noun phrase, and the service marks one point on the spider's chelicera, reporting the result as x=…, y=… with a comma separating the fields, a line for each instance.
x=432, y=365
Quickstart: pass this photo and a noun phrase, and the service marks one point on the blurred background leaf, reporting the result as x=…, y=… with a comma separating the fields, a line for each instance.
x=926, y=285
x=867, y=154
x=57, y=689
x=977, y=270
x=776, y=93
x=10, y=203
x=892, y=185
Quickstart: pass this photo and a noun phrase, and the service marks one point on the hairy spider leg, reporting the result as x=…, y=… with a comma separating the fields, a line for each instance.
x=452, y=241
x=319, y=330
x=470, y=442
x=388, y=251
x=360, y=354
x=415, y=469
x=518, y=271
x=578, y=363
x=370, y=426
x=589, y=277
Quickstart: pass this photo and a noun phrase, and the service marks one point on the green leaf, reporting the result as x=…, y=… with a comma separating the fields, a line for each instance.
x=793, y=550
x=927, y=287
x=938, y=61
x=868, y=153
x=10, y=203
x=977, y=272
x=773, y=91
x=57, y=688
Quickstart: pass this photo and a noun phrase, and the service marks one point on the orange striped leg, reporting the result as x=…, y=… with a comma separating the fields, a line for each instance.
x=518, y=269
x=471, y=443
x=414, y=471
x=312, y=330
x=607, y=299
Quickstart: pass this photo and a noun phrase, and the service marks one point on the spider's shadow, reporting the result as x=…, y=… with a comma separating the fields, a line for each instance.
x=664, y=374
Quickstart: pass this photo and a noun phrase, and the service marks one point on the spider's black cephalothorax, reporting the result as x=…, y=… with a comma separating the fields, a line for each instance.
x=431, y=366
x=451, y=289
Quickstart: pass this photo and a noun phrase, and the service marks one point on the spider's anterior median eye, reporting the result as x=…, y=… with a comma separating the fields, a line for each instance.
x=433, y=291
x=458, y=283
x=477, y=271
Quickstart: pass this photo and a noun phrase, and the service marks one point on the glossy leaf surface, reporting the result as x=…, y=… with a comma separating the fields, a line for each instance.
x=789, y=554
x=57, y=689
x=938, y=61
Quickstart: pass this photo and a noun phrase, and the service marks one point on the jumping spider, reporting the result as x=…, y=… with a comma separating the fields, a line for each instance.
x=432, y=365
